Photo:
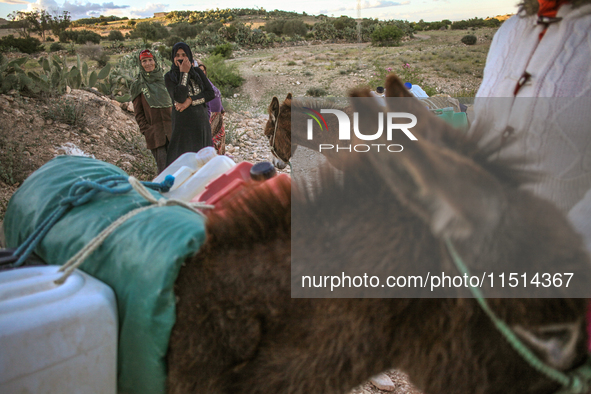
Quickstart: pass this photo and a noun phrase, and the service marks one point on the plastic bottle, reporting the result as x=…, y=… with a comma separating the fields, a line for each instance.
x=197, y=182
x=191, y=162
x=416, y=90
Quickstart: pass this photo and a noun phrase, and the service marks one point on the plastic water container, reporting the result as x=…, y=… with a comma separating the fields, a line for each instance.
x=196, y=183
x=233, y=180
x=56, y=338
x=416, y=90
x=186, y=165
x=226, y=184
x=459, y=120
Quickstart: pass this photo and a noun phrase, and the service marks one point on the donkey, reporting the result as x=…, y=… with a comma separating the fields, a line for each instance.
x=239, y=331
x=278, y=130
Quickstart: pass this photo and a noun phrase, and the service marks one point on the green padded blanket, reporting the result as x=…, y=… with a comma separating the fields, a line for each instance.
x=140, y=260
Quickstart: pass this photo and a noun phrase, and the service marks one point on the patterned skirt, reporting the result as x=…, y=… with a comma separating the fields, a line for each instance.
x=218, y=132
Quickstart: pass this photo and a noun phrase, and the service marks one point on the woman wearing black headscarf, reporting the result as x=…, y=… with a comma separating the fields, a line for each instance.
x=189, y=89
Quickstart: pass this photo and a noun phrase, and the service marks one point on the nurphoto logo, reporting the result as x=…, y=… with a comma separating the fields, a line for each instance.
x=344, y=132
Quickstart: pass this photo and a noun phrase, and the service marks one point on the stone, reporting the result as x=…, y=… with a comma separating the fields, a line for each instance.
x=49, y=121
x=68, y=89
x=96, y=137
x=383, y=382
x=126, y=165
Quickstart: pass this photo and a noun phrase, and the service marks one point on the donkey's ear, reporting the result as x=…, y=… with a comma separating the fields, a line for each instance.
x=288, y=96
x=274, y=108
x=450, y=192
x=395, y=87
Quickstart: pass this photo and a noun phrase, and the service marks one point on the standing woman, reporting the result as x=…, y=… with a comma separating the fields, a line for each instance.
x=189, y=89
x=216, y=116
x=152, y=107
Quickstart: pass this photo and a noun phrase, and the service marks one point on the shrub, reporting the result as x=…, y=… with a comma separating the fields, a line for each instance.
x=316, y=92
x=295, y=27
x=214, y=27
x=68, y=35
x=85, y=36
x=165, y=51
x=94, y=52
x=225, y=50
x=291, y=63
x=387, y=35
x=115, y=35
x=14, y=165
x=184, y=30
x=344, y=22
x=56, y=46
x=150, y=31
x=275, y=26
x=324, y=31
x=67, y=111
x=170, y=41
x=25, y=45
x=469, y=39
x=49, y=39
x=224, y=76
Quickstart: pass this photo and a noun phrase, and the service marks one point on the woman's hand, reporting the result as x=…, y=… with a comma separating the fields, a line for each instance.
x=185, y=66
x=180, y=107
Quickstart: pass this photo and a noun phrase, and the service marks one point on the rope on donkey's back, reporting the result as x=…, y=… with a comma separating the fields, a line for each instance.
x=82, y=192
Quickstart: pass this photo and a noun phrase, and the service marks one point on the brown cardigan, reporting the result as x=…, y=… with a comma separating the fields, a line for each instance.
x=155, y=123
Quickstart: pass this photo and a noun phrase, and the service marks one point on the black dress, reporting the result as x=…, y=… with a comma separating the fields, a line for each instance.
x=190, y=128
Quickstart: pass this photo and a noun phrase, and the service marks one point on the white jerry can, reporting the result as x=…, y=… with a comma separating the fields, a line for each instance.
x=56, y=338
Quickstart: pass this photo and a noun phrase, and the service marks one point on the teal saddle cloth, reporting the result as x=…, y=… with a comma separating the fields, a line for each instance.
x=140, y=260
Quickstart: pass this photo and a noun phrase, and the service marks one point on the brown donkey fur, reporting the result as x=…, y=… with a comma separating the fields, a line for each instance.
x=239, y=331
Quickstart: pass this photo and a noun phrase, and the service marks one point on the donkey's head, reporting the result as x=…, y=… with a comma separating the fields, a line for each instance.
x=447, y=188
x=477, y=204
x=278, y=128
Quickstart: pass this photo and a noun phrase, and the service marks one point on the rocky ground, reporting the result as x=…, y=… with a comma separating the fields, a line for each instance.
x=33, y=131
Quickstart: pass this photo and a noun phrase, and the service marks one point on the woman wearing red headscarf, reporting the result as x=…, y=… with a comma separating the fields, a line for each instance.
x=152, y=107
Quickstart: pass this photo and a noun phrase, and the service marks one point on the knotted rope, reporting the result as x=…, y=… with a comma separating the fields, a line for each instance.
x=81, y=193
x=76, y=260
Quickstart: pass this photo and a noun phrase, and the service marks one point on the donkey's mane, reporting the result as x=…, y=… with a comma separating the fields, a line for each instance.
x=315, y=104
x=508, y=170
x=256, y=214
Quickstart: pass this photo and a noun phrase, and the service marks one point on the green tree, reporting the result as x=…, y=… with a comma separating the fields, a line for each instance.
x=184, y=30
x=294, y=27
x=387, y=35
x=60, y=22
x=344, y=22
x=22, y=22
x=149, y=31
x=115, y=35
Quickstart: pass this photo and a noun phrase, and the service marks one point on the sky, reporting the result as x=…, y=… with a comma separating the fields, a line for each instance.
x=411, y=10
